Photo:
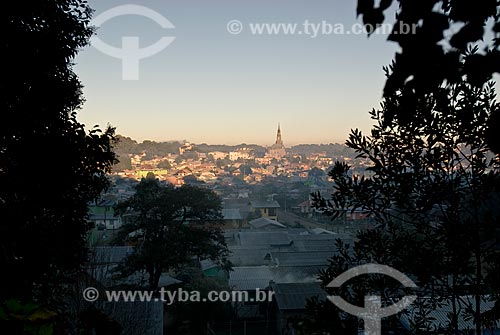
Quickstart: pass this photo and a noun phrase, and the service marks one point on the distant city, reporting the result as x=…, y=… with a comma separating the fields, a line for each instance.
x=282, y=178
x=276, y=236
x=177, y=162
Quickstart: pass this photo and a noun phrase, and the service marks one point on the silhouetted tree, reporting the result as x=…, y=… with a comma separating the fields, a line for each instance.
x=434, y=194
x=192, y=180
x=169, y=226
x=245, y=170
x=316, y=173
x=150, y=175
x=164, y=164
x=322, y=318
x=433, y=54
x=203, y=312
x=43, y=207
x=124, y=163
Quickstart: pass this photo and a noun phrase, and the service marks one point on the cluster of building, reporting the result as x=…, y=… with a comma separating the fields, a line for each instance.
x=278, y=246
x=277, y=259
x=216, y=166
x=252, y=188
x=277, y=240
x=268, y=252
x=266, y=255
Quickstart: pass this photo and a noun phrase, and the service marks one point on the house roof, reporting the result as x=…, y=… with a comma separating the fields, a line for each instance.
x=106, y=275
x=231, y=214
x=235, y=202
x=109, y=255
x=311, y=241
x=265, y=204
x=294, y=296
x=166, y=280
x=265, y=223
x=249, y=256
x=296, y=239
x=314, y=245
x=136, y=318
x=249, y=238
x=206, y=264
x=319, y=231
x=104, y=261
x=253, y=277
x=307, y=258
x=306, y=203
x=250, y=278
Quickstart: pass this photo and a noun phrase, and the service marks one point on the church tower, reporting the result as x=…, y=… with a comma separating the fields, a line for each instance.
x=277, y=150
x=278, y=136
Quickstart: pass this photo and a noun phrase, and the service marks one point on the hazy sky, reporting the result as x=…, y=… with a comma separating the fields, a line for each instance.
x=214, y=87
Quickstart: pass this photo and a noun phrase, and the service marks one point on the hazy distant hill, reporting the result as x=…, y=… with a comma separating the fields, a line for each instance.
x=259, y=150
x=126, y=146
x=331, y=150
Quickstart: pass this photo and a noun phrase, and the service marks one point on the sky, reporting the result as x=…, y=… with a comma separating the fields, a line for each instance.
x=211, y=86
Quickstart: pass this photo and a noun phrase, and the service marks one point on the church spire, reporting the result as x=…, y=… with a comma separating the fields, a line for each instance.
x=278, y=136
x=277, y=150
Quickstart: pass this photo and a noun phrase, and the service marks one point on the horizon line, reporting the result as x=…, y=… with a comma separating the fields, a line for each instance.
x=237, y=144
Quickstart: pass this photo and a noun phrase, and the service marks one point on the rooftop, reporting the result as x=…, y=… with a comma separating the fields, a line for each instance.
x=265, y=223
x=109, y=255
x=294, y=296
x=265, y=204
x=302, y=258
x=231, y=214
x=253, y=277
x=136, y=318
x=264, y=238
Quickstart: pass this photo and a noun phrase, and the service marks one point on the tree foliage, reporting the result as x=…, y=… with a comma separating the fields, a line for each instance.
x=164, y=164
x=433, y=54
x=124, y=163
x=203, y=312
x=434, y=183
x=43, y=208
x=169, y=226
x=434, y=194
x=245, y=170
x=316, y=173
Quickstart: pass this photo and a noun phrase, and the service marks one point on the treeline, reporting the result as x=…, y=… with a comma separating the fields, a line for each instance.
x=126, y=145
x=331, y=150
x=206, y=148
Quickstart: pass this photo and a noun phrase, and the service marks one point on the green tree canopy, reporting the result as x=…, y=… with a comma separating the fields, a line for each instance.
x=124, y=163
x=316, y=172
x=245, y=169
x=169, y=226
x=164, y=164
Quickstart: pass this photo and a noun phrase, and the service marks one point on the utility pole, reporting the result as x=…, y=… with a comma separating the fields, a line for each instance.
x=286, y=190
